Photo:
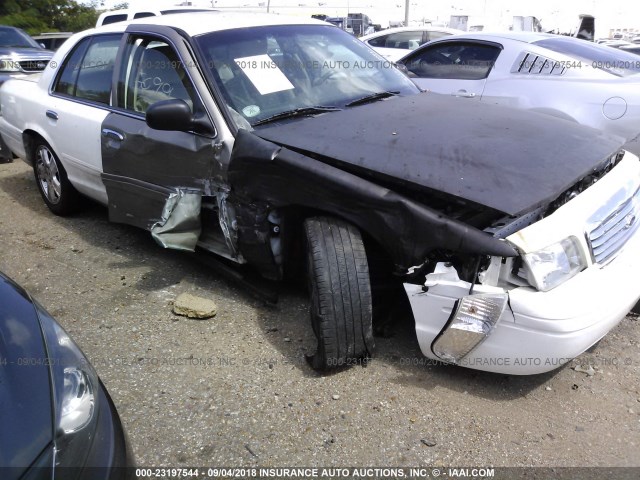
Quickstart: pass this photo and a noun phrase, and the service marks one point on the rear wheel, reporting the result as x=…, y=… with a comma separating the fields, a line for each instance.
x=338, y=277
x=56, y=190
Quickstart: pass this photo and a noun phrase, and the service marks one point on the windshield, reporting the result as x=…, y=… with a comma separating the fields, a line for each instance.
x=265, y=71
x=16, y=38
x=608, y=59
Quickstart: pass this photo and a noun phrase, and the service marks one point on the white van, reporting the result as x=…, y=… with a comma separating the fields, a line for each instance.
x=114, y=16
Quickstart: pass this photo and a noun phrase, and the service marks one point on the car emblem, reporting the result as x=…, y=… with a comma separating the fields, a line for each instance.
x=41, y=65
x=629, y=220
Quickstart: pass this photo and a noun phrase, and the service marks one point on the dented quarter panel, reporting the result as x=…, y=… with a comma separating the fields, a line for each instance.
x=509, y=160
x=263, y=173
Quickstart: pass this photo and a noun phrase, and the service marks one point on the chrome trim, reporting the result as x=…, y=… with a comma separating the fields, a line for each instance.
x=614, y=223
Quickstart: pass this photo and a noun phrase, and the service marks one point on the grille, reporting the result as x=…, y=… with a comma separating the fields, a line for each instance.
x=33, y=65
x=609, y=237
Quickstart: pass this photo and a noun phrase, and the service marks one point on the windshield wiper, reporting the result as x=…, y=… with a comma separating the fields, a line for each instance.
x=297, y=112
x=372, y=98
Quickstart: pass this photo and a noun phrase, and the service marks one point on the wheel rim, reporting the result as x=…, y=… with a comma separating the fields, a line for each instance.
x=48, y=174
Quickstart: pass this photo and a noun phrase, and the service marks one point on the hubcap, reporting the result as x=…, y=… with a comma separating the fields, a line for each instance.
x=48, y=174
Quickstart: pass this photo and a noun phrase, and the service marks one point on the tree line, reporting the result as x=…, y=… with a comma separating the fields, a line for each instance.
x=37, y=16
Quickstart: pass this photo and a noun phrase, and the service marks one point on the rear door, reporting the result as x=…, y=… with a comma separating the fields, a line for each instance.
x=146, y=170
x=79, y=103
x=458, y=68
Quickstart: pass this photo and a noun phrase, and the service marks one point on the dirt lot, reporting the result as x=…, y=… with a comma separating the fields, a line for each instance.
x=236, y=391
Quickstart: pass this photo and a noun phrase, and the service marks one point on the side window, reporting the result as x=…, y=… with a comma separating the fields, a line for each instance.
x=378, y=41
x=87, y=72
x=408, y=40
x=152, y=71
x=114, y=18
x=460, y=61
x=96, y=71
x=436, y=35
x=144, y=15
x=66, y=82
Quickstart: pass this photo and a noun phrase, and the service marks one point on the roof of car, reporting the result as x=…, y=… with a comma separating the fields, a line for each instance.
x=429, y=28
x=526, y=37
x=204, y=22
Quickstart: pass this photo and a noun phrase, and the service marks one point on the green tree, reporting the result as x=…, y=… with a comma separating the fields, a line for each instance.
x=36, y=16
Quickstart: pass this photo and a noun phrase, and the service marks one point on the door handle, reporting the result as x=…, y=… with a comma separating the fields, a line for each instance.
x=112, y=134
x=463, y=94
x=52, y=115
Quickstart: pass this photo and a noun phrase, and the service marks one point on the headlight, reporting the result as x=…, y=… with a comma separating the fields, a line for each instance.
x=555, y=264
x=9, y=65
x=75, y=394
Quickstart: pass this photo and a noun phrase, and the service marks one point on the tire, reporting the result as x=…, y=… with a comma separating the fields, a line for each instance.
x=56, y=190
x=340, y=290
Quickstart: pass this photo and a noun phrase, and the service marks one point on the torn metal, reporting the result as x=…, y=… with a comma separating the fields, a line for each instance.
x=180, y=226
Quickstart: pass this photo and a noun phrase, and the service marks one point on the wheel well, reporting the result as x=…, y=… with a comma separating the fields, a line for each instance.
x=29, y=138
x=380, y=263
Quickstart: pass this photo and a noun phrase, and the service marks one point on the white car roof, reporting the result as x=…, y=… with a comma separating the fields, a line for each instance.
x=526, y=37
x=424, y=28
x=200, y=23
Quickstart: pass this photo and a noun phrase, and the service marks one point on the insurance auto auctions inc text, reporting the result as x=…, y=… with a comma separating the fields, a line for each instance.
x=369, y=473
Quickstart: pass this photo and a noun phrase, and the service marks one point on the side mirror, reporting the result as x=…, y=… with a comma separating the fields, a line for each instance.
x=175, y=115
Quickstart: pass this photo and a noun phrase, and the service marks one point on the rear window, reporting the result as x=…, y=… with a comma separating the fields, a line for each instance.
x=602, y=57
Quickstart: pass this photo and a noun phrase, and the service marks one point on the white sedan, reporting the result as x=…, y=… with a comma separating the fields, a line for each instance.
x=394, y=43
x=594, y=85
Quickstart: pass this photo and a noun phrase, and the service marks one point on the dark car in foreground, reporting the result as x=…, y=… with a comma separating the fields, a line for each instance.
x=56, y=418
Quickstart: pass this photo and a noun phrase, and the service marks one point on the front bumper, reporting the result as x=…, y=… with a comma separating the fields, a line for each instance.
x=541, y=331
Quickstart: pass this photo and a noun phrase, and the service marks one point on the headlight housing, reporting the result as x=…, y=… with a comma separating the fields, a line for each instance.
x=75, y=394
x=9, y=65
x=547, y=268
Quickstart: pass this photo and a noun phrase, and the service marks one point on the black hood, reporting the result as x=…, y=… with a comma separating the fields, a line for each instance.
x=506, y=159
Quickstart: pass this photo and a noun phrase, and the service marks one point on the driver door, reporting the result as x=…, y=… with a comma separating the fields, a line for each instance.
x=458, y=68
x=146, y=171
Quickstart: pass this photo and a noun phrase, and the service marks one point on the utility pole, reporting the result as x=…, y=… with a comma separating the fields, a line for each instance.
x=406, y=13
x=268, y=5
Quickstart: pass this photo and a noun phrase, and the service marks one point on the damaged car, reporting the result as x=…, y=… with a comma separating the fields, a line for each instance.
x=289, y=145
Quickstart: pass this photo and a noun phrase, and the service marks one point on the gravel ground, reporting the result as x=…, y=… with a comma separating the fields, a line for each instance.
x=235, y=391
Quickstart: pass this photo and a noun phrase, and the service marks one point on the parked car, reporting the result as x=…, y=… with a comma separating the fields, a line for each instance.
x=394, y=43
x=283, y=143
x=20, y=54
x=560, y=76
x=57, y=418
x=124, y=15
x=52, y=40
x=635, y=49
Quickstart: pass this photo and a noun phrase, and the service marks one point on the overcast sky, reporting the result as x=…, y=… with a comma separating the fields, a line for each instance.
x=554, y=13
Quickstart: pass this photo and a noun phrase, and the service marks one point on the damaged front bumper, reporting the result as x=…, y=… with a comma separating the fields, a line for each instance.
x=520, y=329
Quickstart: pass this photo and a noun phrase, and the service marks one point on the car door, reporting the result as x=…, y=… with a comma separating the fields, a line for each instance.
x=80, y=101
x=148, y=173
x=458, y=68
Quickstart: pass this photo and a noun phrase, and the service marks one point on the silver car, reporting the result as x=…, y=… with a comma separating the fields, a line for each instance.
x=595, y=85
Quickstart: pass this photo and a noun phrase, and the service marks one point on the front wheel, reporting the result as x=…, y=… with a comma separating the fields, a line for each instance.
x=55, y=188
x=338, y=277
